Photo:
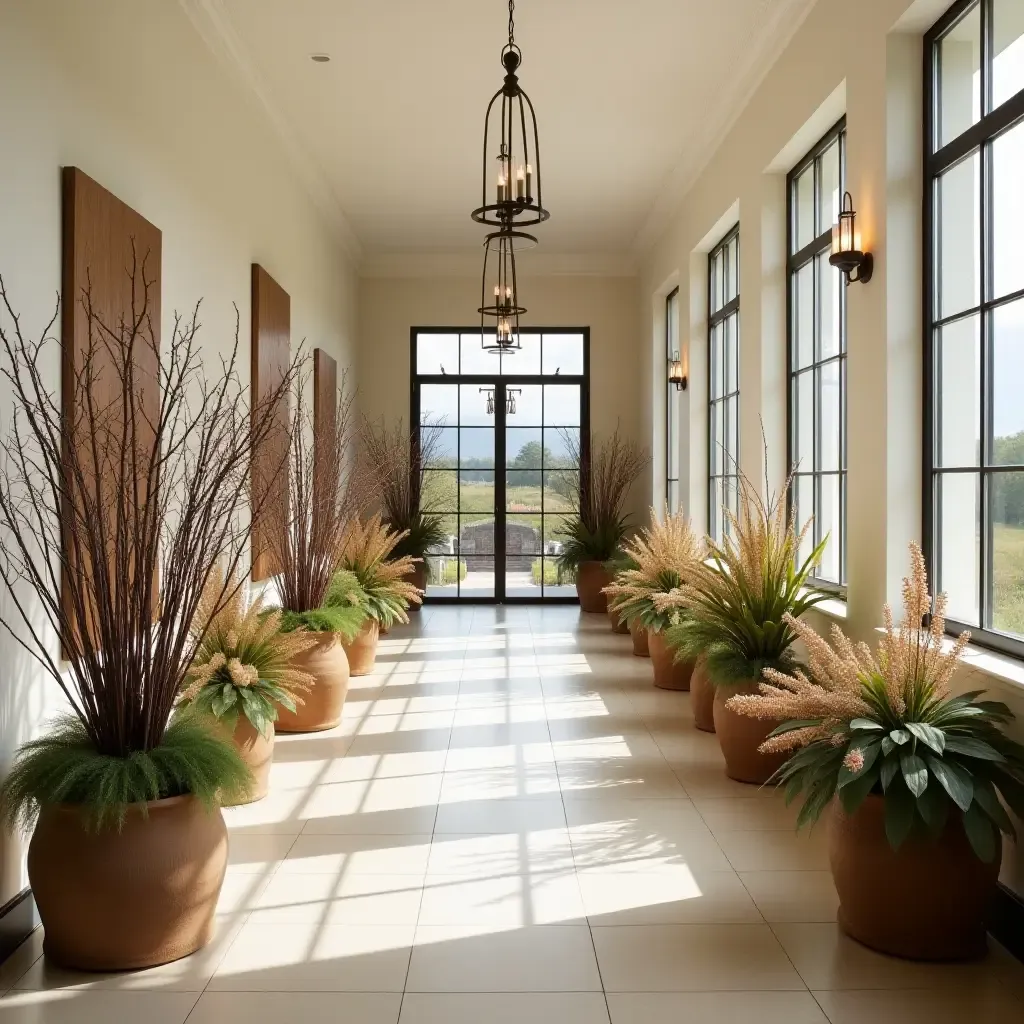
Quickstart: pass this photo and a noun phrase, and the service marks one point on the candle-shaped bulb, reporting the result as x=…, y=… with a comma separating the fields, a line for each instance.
x=529, y=183
x=521, y=183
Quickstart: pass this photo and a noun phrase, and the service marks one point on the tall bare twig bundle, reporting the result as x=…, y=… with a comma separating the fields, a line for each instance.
x=397, y=459
x=306, y=535
x=115, y=516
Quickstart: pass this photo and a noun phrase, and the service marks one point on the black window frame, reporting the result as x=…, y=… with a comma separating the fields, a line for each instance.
x=978, y=138
x=795, y=261
x=501, y=381
x=716, y=317
x=672, y=401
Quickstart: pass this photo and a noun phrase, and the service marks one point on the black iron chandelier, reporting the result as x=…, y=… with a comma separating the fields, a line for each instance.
x=517, y=201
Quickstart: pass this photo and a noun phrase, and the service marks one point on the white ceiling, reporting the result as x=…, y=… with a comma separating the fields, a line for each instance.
x=631, y=96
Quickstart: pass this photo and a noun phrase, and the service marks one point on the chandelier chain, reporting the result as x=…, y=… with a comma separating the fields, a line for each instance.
x=511, y=22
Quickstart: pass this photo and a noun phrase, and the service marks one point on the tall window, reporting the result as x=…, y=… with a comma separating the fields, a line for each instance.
x=672, y=404
x=817, y=354
x=974, y=317
x=723, y=380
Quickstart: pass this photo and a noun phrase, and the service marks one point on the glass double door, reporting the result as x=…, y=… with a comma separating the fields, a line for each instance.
x=501, y=473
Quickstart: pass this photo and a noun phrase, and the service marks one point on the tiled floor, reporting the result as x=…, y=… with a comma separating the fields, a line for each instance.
x=513, y=825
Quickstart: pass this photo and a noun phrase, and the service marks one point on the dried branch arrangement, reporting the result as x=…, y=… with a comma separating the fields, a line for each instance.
x=397, y=459
x=115, y=514
x=595, y=524
x=305, y=525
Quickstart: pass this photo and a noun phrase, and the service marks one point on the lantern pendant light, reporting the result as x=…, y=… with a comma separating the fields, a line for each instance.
x=515, y=203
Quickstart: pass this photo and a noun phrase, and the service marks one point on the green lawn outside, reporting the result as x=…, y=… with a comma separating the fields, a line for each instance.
x=476, y=500
x=1008, y=579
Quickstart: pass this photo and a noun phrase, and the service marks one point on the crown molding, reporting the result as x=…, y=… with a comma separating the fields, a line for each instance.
x=774, y=36
x=469, y=261
x=213, y=23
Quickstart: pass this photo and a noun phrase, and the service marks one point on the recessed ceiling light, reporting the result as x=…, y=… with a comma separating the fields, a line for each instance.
x=320, y=58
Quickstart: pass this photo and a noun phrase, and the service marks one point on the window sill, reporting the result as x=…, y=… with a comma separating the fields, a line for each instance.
x=992, y=667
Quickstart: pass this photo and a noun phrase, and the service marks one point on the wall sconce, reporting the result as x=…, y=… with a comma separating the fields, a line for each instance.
x=675, y=373
x=846, y=253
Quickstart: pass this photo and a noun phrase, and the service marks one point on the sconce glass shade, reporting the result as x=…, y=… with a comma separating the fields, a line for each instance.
x=675, y=373
x=846, y=254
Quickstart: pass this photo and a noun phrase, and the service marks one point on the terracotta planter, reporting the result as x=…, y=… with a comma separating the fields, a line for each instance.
x=327, y=663
x=591, y=579
x=417, y=576
x=619, y=625
x=668, y=673
x=115, y=901
x=702, y=698
x=362, y=652
x=740, y=737
x=928, y=900
x=257, y=752
x=641, y=647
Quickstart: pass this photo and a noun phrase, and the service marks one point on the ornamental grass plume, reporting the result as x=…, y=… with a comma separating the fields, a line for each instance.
x=660, y=558
x=859, y=723
x=740, y=600
x=243, y=662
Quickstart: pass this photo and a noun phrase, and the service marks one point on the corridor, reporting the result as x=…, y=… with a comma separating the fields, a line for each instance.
x=513, y=825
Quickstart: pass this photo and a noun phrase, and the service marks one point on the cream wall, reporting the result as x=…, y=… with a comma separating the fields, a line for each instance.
x=390, y=306
x=128, y=91
x=869, y=67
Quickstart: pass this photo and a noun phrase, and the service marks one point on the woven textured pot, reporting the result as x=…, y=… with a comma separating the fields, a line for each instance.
x=362, y=651
x=591, y=579
x=619, y=624
x=702, y=698
x=257, y=752
x=123, y=900
x=740, y=736
x=928, y=900
x=669, y=674
x=641, y=647
x=321, y=705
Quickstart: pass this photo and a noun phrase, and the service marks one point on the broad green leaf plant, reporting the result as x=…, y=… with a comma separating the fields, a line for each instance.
x=887, y=724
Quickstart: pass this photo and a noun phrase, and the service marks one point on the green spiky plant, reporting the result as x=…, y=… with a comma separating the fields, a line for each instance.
x=595, y=526
x=115, y=514
x=740, y=601
x=887, y=724
x=243, y=665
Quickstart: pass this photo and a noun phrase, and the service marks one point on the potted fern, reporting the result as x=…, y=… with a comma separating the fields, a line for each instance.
x=665, y=554
x=594, y=527
x=374, y=581
x=305, y=532
x=916, y=777
x=115, y=514
x=242, y=674
x=736, y=607
x=615, y=565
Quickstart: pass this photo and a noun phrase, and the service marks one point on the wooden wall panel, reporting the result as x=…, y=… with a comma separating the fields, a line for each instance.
x=271, y=355
x=107, y=250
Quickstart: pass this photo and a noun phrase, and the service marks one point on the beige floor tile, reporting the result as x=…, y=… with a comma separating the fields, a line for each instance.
x=405, y=821
x=340, y=898
x=698, y=957
x=748, y=814
x=827, y=959
x=676, y=896
x=20, y=960
x=504, y=1008
x=498, y=755
x=509, y=900
x=358, y=854
x=315, y=958
x=279, y=813
x=241, y=890
x=257, y=852
x=521, y=780
x=505, y=815
x=76, y=1007
x=710, y=781
x=589, y=780
x=297, y=1007
x=545, y=958
x=793, y=896
x=920, y=1006
x=715, y=1008
x=637, y=748
x=776, y=851
x=493, y=855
